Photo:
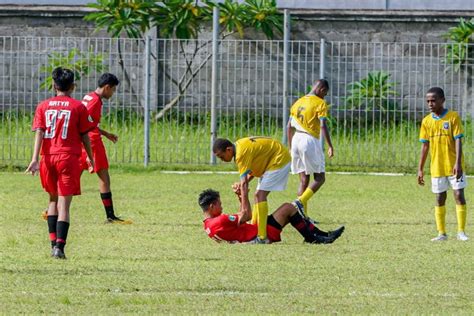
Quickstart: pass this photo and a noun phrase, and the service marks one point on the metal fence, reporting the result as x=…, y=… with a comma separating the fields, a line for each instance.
x=170, y=81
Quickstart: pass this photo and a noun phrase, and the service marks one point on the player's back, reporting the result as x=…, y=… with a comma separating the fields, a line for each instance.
x=63, y=120
x=260, y=154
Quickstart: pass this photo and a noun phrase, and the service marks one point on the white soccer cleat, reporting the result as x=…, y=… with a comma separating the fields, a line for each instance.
x=440, y=237
x=462, y=236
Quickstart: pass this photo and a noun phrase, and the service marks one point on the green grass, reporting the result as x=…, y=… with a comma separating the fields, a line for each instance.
x=164, y=263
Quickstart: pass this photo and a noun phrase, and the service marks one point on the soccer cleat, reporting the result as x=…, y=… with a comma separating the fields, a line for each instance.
x=58, y=253
x=318, y=239
x=44, y=214
x=118, y=220
x=259, y=240
x=440, y=237
x=336, y=233
x=299, y=207
x=462, y=236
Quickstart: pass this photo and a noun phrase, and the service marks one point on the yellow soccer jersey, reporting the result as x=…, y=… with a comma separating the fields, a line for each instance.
x=307, y=111
x=441, y=132
x=257, y=154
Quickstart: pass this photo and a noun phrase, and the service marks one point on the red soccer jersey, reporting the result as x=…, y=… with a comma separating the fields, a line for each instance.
x=63, y=120
x=226, y=228
x=93, y=103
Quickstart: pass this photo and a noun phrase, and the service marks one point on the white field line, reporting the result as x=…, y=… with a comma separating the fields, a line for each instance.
x=384, y=174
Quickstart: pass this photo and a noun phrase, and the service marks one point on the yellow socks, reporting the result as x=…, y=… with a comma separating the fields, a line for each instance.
x=262, y=211
x=307, y=194
x=440, y=216
x=254, y=219
x=461, y=215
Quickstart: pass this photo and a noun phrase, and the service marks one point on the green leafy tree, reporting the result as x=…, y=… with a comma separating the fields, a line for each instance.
x=460, y=37
x=82, y=64
x=183, y=19
x=372, y=92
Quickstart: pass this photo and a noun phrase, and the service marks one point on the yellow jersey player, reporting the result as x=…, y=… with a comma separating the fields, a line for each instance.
x=261, y=157
x=441, y=134
x=307, y=121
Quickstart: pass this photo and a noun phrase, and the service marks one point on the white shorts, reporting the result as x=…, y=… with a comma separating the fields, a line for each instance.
x=306, y=154
x=274, y=180
x=442, y=184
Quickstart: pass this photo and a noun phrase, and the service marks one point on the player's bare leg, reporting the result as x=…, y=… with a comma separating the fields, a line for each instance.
x=305, y=192
x=106, y=196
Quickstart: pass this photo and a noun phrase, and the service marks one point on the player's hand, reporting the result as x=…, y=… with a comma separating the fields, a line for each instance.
x=90, y=165
x=236, y=188
x=421, y=181
x=112, y=137
x=457, y=171
x=331, y=152
x=33, y=168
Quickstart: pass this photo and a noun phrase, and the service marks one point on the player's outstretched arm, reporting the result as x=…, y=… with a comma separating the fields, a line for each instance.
x=245, y=210
x=33, y=167
x=112, y=137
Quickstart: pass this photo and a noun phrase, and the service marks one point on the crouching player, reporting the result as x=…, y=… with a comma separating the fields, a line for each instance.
x=235, y=229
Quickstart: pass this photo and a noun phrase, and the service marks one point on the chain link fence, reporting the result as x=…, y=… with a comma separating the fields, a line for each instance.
x=376, y=93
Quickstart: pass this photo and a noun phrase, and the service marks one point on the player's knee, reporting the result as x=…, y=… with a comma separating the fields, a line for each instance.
x=320, y=177
x=459, y=196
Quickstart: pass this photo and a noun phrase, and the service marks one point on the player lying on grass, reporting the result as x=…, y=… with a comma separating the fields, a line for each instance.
x=235, y=229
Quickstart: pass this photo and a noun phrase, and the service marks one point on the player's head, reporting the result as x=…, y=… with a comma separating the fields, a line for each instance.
x=63, y=79
x=435, y=99
x=321, y=88
x=224, y=149
x=107, y=83
x=210, y=202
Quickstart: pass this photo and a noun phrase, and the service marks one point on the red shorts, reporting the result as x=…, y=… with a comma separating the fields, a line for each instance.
x=61, y=174
x=273, y=233
x=99, y=155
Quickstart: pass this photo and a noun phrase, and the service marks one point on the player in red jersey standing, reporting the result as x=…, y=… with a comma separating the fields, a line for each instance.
x=61, y=124
x=107, y=85
x=235, y=229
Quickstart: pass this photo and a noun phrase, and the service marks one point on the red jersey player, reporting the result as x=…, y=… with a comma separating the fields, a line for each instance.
x=235, y=229
x=107, y=85
x=61, y=124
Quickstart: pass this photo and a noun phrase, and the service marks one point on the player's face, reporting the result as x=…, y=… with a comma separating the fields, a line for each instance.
x=215, y=208
x=225, y=155
x=434, y=102
x=108, y=91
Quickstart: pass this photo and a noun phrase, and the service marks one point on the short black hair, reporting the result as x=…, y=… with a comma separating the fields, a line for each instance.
x=108, y=79
x=436, y=90
x=221, y=144
x=323, y=82
x=63, y=79
x=207, y=197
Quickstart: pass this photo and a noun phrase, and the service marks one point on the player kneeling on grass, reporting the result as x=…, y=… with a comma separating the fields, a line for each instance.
x=235, y=229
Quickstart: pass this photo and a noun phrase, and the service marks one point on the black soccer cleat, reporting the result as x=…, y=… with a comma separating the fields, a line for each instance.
x=118, y=220
x=58, y=253
x=337, y=233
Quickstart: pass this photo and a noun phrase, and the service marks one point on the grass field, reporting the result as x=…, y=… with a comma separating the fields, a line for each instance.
x=164, y=263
